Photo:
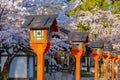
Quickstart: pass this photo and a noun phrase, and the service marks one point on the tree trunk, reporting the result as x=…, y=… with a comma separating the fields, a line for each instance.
x=6, y=68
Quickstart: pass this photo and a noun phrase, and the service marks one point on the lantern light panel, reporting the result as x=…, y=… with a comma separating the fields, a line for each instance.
x=77, y=45
x=96, y=44
x=38, y=34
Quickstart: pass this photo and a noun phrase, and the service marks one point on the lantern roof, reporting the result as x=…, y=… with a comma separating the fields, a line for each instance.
x=78, y=36
x=64, y=30
x=96, y=44
x=108, y=47
x=114, y=52
x=39, y=21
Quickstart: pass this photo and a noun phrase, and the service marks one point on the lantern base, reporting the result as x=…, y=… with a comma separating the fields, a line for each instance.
x=40, y=49
x=96, y=58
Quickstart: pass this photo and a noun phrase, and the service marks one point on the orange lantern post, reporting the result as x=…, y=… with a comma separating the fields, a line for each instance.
x=41, y=27
x=96, y=53
x=78, y=48
x=78, y=53
x=117, y=67
x=107, y=56
x=113, y=58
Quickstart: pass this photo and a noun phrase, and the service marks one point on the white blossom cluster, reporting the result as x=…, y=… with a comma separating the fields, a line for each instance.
x=97, y=23
x=11, y=14
x=10, y=38
x=60, y=7
x=12, y=19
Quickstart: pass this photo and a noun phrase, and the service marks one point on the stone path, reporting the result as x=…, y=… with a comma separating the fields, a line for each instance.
x=63, y=76
x=66, y=76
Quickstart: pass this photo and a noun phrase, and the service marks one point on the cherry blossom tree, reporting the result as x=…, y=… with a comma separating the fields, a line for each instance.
x=13, y=38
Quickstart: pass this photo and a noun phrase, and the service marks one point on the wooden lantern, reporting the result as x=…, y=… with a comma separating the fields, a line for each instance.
x=107, y=55
x=41, y=28
x=96, y=53
x=78, y=48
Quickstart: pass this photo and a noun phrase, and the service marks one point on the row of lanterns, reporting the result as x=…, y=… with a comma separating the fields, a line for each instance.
x=41, y=28
x=98, y=49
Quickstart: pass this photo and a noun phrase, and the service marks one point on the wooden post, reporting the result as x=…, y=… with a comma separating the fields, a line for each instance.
x=78, y=68
x=40, y=39
x=117, y=69
x=96, y=57
x=113, y=72
x=106, y=70
x=107, y=57
x=112, y=69
x=40, y=50
x=78, y=53
x=40, y=67
x=96, y=70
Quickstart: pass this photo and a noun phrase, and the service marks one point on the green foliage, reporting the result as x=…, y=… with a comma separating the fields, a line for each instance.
x=84, y=73
x=72, y=1
x=68, y=0
x=104, y=5
x=118, y=16
x=90, y=5
x=106, y=23
x=93, y=36
x=83, y=28
x=81, y=14
x=116, y=7
x=73, y=12
x=60, y=4
x=35, y=73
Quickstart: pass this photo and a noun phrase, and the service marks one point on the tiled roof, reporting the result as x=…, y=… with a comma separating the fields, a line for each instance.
x=96, y=44
x=78, y=36
x=108, y=47
x=39, y=21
